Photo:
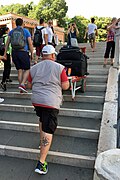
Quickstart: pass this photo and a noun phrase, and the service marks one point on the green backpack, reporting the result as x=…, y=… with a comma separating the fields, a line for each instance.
x=17, y=39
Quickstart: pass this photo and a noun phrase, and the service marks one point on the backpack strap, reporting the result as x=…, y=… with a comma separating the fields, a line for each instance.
x=40, y=28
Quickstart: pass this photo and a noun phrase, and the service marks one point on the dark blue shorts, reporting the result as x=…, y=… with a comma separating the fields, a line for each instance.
x=21, y=60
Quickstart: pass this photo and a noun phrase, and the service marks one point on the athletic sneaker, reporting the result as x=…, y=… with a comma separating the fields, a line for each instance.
x=8, y=80
x=104, y=65
x=3, y=86
x=1, y=100
x=41, y=168
x=21, y=92
x=22, y=88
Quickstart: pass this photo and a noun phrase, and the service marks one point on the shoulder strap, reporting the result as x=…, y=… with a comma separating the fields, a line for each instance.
x=42, y=28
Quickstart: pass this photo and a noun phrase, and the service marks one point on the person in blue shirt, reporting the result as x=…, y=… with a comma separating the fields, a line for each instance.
x=20, y=56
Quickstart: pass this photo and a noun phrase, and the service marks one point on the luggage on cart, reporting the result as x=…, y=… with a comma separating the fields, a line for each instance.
x=71, y=57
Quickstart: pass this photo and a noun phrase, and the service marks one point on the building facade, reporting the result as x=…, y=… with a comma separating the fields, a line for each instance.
x=9, y=21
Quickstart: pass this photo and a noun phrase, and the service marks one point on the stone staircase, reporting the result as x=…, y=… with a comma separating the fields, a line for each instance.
x=74, y=148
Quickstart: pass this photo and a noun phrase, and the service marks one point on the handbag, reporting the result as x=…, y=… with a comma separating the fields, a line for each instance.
x=73, y=41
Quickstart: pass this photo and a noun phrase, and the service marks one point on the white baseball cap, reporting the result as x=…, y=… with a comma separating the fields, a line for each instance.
x=48, y=49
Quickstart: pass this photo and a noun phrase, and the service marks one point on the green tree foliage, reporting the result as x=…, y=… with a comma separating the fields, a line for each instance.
x=102, y=23
x=51, y=9
x=82, y=23
x=57, y=9
x=17, y=8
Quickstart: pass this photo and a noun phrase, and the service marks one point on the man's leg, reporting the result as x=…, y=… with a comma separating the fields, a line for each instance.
x=107, y=51
x=25, y=65
x=20, y=75
x=37, y=54
x=112, y=52
x=91, y=40
x=23, y=81
x=9, y=68
x=94, y=43
x=47, y=127
x=25, y=76
x=45, y=145
x=3, y=83
x=36, y=59
x=41, y=134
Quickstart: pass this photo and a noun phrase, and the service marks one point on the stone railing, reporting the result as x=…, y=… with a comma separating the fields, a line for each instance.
x=117, y=49
x=107, y=146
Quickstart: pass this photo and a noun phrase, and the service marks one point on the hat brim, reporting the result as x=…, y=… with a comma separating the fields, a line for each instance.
x=50, y=53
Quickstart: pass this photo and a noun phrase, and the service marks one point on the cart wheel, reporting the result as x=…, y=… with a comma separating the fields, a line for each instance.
x=83, y=85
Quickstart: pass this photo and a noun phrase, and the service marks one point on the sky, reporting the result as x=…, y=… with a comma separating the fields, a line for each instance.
x=86, y=8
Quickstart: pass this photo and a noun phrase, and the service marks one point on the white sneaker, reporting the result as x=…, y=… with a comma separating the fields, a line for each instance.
x=1, y=100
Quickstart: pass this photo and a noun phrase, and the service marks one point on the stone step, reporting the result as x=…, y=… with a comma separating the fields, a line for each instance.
x=25, y=144
x=63, y=111
x=78, y=98
x=75, y=141
x=98, y=66
x=26, y=170
x=98, y=71
x=101, y=71
x=91, y=61
x=53, y=157
x=65, y=131
x=98, y=55
x=65, y=121
x=66, y=104
x=98, y=87
x=95, y=78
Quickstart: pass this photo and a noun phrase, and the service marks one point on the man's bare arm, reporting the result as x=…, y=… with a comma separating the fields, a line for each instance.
x=30, y=46
x=65, y=85
x=29, y=85
x=46, y=38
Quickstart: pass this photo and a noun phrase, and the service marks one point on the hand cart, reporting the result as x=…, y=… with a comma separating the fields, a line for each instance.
x=74, y=80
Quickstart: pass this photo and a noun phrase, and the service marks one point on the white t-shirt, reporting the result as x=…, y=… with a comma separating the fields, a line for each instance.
x=44, y=31
x=50, y=34
x=91, y=28
x=56, y=39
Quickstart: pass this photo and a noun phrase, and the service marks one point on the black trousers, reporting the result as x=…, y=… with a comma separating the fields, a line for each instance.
x=110, y=47
x=7, y=68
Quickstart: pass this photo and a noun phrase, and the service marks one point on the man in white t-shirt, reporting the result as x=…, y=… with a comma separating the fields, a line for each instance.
x=92, y=32
x=44, y=39
x=50, y=32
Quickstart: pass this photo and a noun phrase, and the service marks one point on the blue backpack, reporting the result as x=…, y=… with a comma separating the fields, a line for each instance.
x=17, y=39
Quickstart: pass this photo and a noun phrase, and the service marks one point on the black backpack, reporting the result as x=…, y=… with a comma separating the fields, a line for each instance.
x=17, y=39
x=38, y=40
x=2, y=45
